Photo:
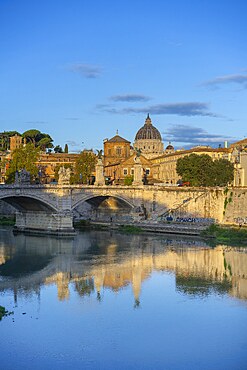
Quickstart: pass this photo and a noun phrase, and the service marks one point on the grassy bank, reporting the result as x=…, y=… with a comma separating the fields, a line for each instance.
x=82, y=224
x=4, y=220
x=130, y=229
x=226, y=235
x=85, y=225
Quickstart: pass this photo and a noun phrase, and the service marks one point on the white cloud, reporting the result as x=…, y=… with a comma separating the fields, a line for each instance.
x=86, y=70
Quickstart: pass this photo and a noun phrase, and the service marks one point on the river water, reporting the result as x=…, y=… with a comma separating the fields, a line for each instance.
x=106, y=300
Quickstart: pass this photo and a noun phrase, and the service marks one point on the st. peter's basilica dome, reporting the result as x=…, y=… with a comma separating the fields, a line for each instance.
x=148, y=140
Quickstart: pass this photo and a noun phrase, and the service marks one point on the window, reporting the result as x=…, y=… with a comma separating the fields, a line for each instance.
x=118, y=151
x=125, y=171
x=147, y=171
x=109, y=151
x=132, y=171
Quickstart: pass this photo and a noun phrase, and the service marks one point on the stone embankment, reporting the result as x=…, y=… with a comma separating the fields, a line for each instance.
x=163, y=228
x=175, y=228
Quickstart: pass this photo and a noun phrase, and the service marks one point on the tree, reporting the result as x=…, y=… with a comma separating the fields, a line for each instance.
x=38, y=139
x=195, y=169
x=201, y=170
x=31, y=136
x=4, y=139
x=11, y=133
x=25, y=157
x=66, y=148
x=223, y=172
x=84, y=167
x=45, y=143
x=58, y=149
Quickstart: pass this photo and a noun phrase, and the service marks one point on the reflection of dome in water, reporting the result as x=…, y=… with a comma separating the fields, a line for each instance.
x=148, y=131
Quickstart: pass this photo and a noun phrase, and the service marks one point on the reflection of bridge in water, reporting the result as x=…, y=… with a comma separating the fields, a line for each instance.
x=51, y=207
x=92, y=263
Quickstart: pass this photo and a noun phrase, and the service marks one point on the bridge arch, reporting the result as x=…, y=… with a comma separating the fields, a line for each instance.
x=25, y=203
x=97, y=199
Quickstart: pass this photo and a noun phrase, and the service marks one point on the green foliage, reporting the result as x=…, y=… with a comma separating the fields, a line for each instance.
x=4, y=139
x=4, y=312
x=85, y=286
x=45, y=143
x=84, y=168
x=226, y=190
x=223, y=172
x=195, y=169
x=81, y=224
x=195, y=285
x=226, y=235
x=201, y=170
x=130, y=229
x=225, y=203
x=31, y=135
x=128, y=180
x=11, y=133
x=66, y=148
x=38, y=139
x=10, y=221
x=25, y=157
x=58, y=149
x=3, y=163
x=225, y=263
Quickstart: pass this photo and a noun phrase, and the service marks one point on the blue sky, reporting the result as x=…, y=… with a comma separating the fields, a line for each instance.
x=79, y=70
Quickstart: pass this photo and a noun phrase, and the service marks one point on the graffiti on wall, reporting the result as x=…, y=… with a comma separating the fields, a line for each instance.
x=190, y=219
x=240, y=220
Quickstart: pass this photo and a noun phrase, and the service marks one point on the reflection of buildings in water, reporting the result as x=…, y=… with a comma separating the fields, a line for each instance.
x=62, y=280
x=222, y=269
x=198, y=270
x=3, y=257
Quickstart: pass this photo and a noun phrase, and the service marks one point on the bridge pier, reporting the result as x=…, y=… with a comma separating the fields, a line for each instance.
x=45, y=222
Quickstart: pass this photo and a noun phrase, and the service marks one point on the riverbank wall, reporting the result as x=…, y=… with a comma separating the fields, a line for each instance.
x=155, y=203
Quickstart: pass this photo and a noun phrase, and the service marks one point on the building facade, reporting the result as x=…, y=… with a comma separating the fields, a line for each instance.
x=164, y=167
x=116, y=150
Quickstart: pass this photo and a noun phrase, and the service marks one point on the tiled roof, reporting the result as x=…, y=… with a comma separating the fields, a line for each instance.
x=117, y=139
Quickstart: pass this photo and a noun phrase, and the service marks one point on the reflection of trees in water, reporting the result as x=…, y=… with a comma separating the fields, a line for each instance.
x=94, y=261
x=85, y=286
x=197, y=285
x=23, y=265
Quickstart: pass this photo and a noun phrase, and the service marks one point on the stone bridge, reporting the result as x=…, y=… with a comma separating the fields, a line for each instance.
x=51, y=208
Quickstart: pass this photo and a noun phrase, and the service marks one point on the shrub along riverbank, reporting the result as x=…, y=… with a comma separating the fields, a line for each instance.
x=226, y=235
x=84, y=224
x=4, y=220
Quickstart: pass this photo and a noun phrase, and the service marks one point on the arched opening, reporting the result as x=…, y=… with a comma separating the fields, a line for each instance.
x=25, y=204
x=103, y=209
